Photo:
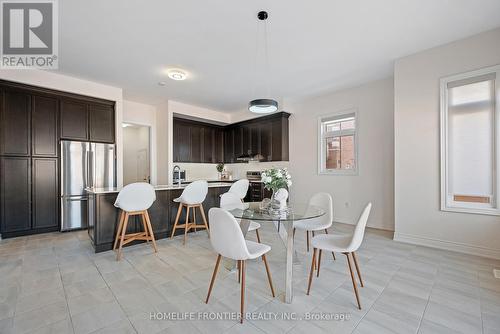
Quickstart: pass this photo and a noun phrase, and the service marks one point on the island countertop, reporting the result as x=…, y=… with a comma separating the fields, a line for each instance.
x=157, y=188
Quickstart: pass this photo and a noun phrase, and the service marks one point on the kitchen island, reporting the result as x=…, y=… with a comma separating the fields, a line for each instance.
x=103, y=216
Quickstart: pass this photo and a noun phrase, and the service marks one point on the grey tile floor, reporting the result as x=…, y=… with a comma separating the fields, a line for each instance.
x=54, y=283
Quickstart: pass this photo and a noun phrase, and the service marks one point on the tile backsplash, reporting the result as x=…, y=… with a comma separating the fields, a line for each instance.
x=200, y=171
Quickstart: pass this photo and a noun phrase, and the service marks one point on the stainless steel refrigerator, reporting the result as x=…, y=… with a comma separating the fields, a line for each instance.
x=83, y=165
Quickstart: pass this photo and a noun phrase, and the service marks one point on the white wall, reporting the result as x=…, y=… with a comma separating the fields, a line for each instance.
x=70, y=84
x=417, y=166
x=135, y=139
x=145, y=114
x=374, y=183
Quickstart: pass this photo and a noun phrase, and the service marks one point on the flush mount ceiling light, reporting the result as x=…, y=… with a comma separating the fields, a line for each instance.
x=176, y=74
x=263, y=106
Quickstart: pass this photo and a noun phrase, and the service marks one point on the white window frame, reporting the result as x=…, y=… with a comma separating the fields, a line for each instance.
x=322, y=170
x=495, y=209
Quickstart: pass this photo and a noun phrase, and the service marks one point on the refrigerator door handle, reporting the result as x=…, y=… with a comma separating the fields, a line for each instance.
x=91, y=169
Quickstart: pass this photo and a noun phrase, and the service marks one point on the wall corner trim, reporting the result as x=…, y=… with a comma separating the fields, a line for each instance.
x=448, y=245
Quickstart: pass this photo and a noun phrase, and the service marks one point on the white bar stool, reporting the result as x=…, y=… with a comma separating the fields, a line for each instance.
x=240, y=188
x=346, y=244
x=228, y=241
x=192, y=197
x=134, y=200
x=230, y=201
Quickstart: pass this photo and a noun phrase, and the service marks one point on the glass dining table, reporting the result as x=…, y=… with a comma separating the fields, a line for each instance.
x=294, y=212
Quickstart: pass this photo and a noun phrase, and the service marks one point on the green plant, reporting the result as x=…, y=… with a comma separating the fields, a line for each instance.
x=276, y=178
x=220, y=167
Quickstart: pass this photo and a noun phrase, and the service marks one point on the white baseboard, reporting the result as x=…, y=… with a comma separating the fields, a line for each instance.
x=448, y=245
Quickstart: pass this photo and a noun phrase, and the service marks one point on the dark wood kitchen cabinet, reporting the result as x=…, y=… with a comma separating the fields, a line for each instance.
x=102, y=123
x=44, y=126
x=15, y=123
x=15, y=190
x=74, y=120
x=45, y=193
x=198, y=142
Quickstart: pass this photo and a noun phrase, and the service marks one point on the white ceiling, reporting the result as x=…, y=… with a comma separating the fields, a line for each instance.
x=314, y=46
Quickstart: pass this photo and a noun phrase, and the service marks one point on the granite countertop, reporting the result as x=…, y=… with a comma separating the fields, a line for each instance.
x=157, y=188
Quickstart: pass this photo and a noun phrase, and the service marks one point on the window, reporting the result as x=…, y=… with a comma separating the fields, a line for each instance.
x=470, y=142
x=337, y=143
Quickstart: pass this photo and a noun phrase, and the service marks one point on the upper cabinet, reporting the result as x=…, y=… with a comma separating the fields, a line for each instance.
x=82, y=120
x=198, y=142
x=266, y=136
x=102, y=123
x=74, y=120
x=15, y=123
x=44, y=126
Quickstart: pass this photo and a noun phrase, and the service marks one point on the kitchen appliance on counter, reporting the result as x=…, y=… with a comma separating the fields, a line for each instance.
x=83, y=165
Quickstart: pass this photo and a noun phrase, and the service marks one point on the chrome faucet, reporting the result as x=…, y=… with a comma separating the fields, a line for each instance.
x=176, y=167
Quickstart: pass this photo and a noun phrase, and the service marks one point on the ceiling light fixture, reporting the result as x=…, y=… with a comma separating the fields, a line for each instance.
x=263, y=106
x=175, y=74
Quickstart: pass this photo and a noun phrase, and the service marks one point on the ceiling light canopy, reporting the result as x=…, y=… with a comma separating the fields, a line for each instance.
x=176, y=74
x=263, y=106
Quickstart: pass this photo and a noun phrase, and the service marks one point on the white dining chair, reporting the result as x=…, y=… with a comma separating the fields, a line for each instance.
x=230, y=201
x=344, y=243
x=134, y=200
x=240, y=188
x=323, y=223
x=228, y=241
x=192, y=197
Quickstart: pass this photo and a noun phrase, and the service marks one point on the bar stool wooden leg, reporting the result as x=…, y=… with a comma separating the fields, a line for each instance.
x=194, y=218
x=179, y=211
x=119, y=230
x=151, y=234
x=145, y=226
x=186, y=225
x=213, y=278
x=239, y=271
x=204, y=219
x=122, y=237
x=319, y=261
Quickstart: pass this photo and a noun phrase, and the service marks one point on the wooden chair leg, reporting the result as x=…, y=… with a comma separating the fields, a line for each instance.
x=194, y=219
x=357, y=269
x=312, y=271
x=122, y=237
x=151, y=234
x=333, y=254
x=119, y=230
x=307, y=237
x=186, y=225
x=239, y=271
x=204, y=219
x=242, y=291
x=268, y=274
x=213, y=277
x=353, y=280
x=258, y=236
x=179, y=211
x=319, y=261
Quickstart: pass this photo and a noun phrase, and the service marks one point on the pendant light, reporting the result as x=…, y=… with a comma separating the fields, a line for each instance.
x=264, y=106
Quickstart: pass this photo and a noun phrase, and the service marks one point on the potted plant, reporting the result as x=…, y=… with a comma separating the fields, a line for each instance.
x=220, y=169
x=275, y=179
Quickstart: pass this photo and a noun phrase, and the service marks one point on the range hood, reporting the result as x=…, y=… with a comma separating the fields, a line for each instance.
x=249, y=157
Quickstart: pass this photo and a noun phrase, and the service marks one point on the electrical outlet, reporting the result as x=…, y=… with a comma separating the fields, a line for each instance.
x=496, y=273
x=346, y=204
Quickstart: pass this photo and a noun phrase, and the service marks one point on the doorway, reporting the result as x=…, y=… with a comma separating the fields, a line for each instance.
x=136, y=153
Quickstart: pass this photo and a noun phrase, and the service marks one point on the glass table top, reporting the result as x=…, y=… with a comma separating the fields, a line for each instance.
x=294, y=212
